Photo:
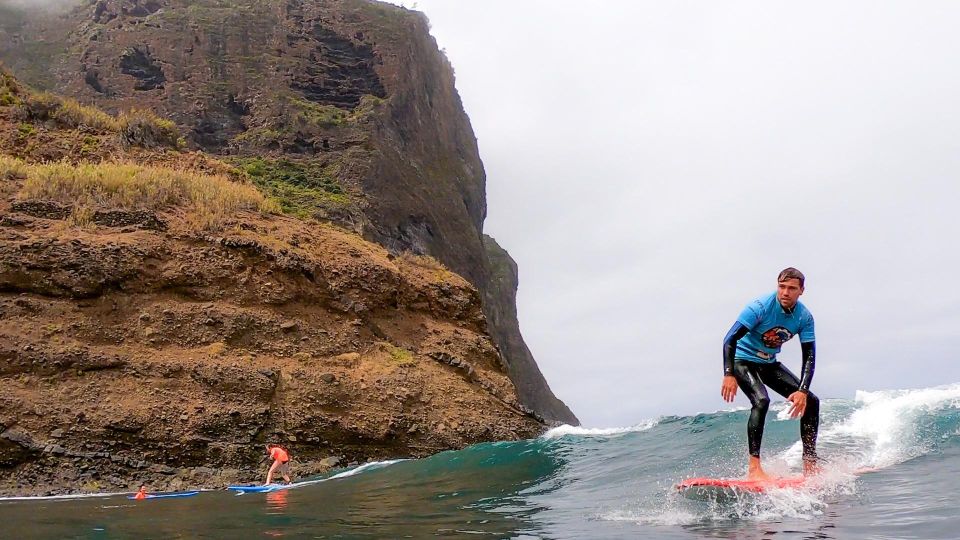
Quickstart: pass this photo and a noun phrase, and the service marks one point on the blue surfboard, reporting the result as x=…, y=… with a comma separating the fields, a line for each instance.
x=259, y=489
x=167, y=495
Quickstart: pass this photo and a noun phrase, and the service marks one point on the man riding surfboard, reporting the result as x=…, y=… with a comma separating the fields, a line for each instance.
x=750, y=362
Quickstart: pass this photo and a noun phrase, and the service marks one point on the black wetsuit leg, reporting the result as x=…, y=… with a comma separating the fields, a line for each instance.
x=752, y=378
x=749, y=381
x=782, y=381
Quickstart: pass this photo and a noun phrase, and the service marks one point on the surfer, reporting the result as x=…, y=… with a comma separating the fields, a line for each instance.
x=141, y=493
x=281, y=460
x=750, y=362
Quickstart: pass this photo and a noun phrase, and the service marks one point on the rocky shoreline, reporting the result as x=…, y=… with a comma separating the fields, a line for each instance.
x=55, y=470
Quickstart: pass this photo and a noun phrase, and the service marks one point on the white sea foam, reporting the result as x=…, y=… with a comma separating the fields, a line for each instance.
x=67, y=497
x=365, y=467
x=565, y=429
x=795, y=503
x=805, y=503
x=345, y=474
x=782, y=408
x=735, y=408
x=665, y=517
x=882, y=430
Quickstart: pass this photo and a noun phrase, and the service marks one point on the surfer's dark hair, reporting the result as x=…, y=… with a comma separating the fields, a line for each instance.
x=790, y=273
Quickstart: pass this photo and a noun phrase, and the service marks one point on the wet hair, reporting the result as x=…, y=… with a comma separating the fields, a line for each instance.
x=790, y=273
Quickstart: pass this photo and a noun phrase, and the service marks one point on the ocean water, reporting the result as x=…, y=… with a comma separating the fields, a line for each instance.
x=588, y=483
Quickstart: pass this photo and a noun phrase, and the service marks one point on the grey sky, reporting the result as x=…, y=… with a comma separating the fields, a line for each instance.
x=651, y=166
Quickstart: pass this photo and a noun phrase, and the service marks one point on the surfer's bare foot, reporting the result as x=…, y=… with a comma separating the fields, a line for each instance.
x=811, y=467
x=755, y=471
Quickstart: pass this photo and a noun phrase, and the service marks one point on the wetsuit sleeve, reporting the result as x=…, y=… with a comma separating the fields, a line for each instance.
x=809, y=352
x=737, y=331
x=806, y=330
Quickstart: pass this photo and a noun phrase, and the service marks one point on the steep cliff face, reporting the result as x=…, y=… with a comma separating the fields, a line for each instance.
x=342, y=109
x=500, y=307
x=160, y=321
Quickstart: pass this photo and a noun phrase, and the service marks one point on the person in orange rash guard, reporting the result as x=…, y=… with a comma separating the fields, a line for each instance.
x=141, y=493
x=281, y=460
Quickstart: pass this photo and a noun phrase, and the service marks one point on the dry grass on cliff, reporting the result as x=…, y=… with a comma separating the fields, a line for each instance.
x=43, y=106
x=134, y=128
x=439, y=272
x=209, y=199
x=11, y=169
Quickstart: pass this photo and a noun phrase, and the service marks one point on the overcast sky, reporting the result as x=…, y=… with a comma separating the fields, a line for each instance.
x=652, y=166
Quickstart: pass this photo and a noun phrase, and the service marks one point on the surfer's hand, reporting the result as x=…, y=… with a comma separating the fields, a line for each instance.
x=729, y=387
x=798, y=402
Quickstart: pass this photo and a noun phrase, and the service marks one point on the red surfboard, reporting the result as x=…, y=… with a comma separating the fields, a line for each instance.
x=698, y=488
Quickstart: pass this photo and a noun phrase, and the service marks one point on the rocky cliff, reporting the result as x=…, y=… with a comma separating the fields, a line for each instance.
x=501, y=312
x=161, y=318
x=345, y=110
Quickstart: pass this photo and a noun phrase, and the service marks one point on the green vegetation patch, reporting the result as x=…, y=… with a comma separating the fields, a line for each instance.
x=263, y=137
x=302, y=120
x=89, y=146
x=399, y=354
x=311, y=114
x=301, y=188
x=10, y=89
x=26, y=130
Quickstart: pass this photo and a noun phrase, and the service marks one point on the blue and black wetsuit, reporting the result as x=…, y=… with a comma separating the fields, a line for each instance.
x=750, y=355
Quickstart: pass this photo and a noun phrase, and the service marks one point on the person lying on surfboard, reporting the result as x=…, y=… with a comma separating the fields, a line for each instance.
x=750, y=362
x=281, y=460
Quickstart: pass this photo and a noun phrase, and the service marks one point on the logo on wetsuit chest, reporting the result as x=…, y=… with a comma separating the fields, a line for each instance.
x=776, y=337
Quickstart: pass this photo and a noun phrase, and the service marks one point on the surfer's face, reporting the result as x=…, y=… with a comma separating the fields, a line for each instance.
x=788, y=291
